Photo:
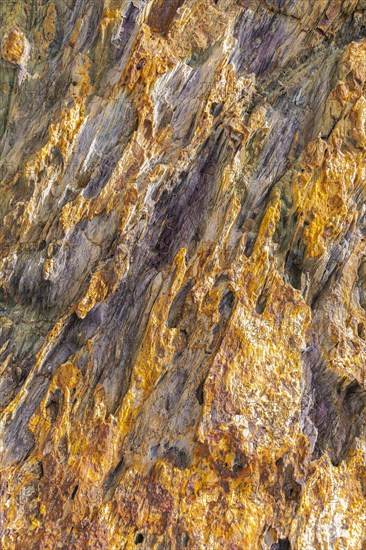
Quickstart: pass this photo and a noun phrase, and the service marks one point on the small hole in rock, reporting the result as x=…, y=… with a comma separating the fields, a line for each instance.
x=139, y=538
x=216, y=109
x=282, y=544
x=75, y=490
x=199, y=393
x=226, y=305
x=261, y=303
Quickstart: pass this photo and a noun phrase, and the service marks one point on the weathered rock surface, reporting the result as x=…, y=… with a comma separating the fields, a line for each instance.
x=183, y=274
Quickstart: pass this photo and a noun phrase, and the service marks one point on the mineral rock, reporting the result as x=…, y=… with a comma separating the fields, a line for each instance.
x=183, y=274
x=13, y=46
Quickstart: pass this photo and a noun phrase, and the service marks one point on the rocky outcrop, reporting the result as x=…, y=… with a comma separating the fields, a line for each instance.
x=183, y=274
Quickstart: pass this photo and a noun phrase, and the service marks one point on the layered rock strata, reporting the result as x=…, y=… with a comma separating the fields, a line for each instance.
x=183, y=274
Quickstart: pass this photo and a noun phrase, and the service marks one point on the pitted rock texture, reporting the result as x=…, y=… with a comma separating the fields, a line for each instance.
x=183, y=274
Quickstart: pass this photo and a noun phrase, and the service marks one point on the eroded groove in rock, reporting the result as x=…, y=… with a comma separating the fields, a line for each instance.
x=182, y=274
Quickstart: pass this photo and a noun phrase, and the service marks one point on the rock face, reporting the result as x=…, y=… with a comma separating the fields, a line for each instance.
x=183, y=274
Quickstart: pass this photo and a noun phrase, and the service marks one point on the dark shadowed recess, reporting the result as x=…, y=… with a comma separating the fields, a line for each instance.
x=282, y=544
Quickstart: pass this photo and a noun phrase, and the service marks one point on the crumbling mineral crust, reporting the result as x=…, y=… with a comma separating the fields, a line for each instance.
x=13, y=47
x=183, y=274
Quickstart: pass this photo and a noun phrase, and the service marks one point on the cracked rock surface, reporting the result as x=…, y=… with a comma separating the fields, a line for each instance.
x=183, y=274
